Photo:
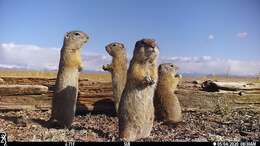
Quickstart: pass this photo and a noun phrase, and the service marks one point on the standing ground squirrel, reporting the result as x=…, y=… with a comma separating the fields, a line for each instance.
x=167, y=106
x=66, y=86
x=136, y=109
x=118, y=69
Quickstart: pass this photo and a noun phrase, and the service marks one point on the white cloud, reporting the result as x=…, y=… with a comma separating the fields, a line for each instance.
x=34, y=57
x=210, y=65
x=95, y=61
x=211, y=37
x=242, y=34
x=28, y=56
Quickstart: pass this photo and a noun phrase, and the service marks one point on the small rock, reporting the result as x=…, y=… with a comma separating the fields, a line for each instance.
x=2, y=81
x=20, y=122
x=213, y=137
x=33, y=126
x=241, y=93
x=209, y=86
x=178, y=76
x=196, y=82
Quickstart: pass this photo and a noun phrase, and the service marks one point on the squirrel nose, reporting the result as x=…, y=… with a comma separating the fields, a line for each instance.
x=150, y=42
x=154, y=49
x=107, y=48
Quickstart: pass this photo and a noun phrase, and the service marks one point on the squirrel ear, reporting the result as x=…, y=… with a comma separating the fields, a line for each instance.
x=67, y=35
x=123, y=46
x=159, y=69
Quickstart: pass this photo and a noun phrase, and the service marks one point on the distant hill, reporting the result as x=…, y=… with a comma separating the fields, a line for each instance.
x=184, y=74
x=47, y=70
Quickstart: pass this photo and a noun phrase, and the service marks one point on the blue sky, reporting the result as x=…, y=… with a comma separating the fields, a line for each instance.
x=226, y=29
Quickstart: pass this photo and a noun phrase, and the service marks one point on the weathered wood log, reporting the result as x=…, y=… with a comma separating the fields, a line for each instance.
x=100, y=95
x=249, y=92
x=190, y=100
x=97, y=97
x=96, y=105
x=213, y=86
x=84, y=105
x=240, y=92
x=14, y=107
x=22, y=90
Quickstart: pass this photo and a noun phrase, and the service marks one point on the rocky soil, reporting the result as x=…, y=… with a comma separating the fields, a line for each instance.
x=242, y=124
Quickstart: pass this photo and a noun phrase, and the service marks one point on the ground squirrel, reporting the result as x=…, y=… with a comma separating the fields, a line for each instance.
x=118, y=69
x=66, y=86
x=167, y=106
x=136, y=109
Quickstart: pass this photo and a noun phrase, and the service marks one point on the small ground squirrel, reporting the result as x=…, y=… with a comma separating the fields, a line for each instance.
x=136, y=109
x=167, y=106
x=118, y=69
x=66, y=86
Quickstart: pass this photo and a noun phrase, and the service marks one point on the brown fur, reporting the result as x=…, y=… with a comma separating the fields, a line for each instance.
x=66, y=87
x=136, y=110
x=118, y=69
x=167, y=106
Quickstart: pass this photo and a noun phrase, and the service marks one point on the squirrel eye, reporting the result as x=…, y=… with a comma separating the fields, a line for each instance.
x=114, y=45
x=172, y=65
x=76, y=33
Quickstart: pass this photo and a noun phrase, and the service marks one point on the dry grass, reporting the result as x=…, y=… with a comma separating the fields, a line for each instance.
x=96, y=77
x=52, y=74
x=27, y=73
x=226, y=78
x=107, y=76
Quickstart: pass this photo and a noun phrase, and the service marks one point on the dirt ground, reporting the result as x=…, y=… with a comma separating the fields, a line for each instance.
x=242, y=124
x=207, y=116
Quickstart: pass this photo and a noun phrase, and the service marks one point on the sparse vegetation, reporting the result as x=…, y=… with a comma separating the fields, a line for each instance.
x=52, y=74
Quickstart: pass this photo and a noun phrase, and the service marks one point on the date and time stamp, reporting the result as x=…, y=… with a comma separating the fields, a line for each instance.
x=222, y=143
x=3, y=142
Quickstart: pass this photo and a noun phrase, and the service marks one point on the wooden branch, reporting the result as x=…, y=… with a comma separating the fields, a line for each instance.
x=229, y=86
x=5, y=107
x=93, y=104
x=240, y=92
x=8, y=90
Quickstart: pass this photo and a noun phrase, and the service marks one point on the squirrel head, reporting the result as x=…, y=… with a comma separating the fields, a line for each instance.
x=146, y=50
x=75, y=39
x=115, y=49
x=167, y=68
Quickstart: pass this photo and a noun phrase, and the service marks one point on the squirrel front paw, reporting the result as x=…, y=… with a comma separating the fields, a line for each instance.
x=178, y=76
x=107, y=67
x=104, y=67
x=148, y=81
x=80, y=68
